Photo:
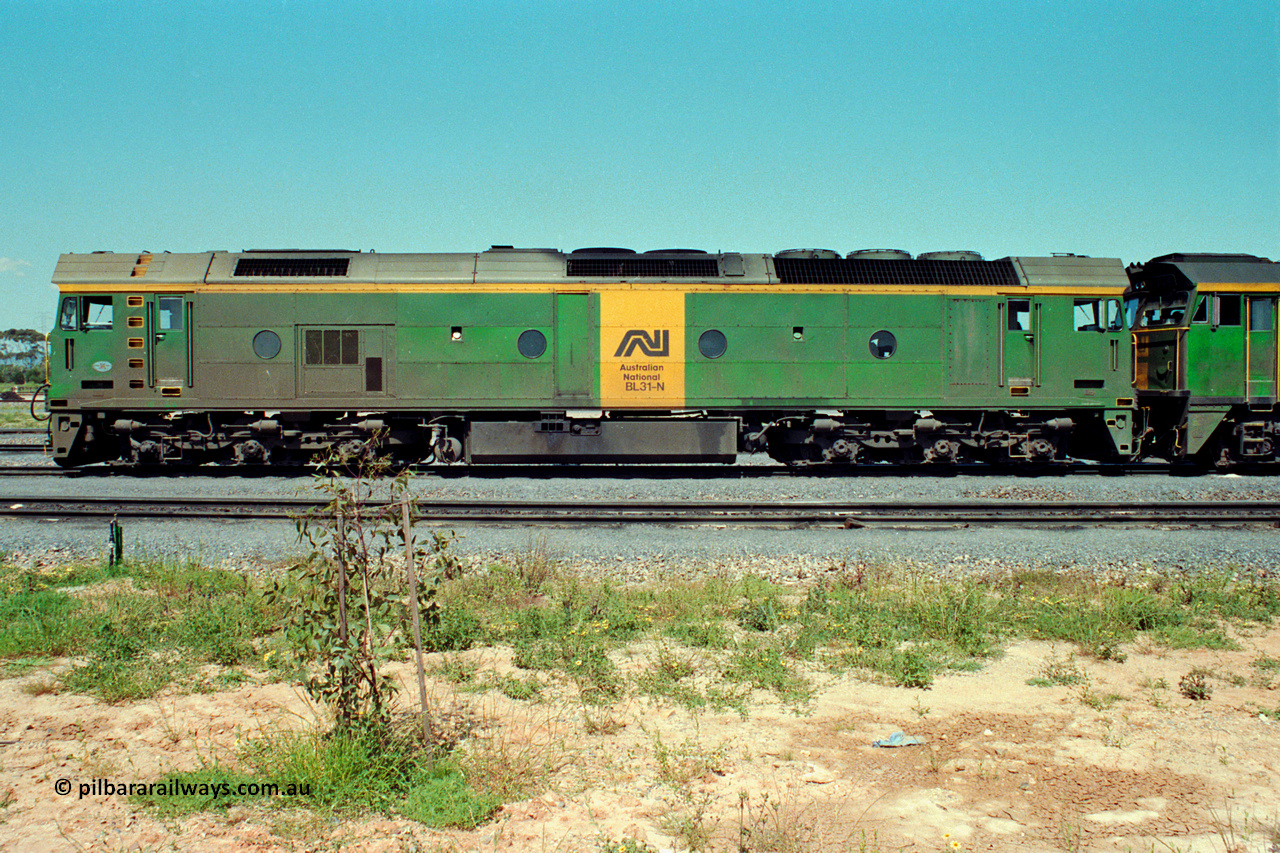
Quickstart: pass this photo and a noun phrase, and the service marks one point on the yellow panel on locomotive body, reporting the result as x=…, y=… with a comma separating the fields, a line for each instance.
x=642, y=357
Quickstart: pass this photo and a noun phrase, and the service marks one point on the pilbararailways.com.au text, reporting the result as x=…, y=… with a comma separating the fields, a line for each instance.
x=180, y=788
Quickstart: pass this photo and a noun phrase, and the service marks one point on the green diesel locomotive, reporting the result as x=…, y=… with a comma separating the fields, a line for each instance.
x=1205, y=355
x=601, y=355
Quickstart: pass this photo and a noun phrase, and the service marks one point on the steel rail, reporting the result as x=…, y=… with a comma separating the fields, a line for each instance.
x=793, y=512
x=620, y=471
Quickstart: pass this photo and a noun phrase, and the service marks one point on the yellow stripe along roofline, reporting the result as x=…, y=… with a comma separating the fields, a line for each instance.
x=131, y=286
x=1238, y=287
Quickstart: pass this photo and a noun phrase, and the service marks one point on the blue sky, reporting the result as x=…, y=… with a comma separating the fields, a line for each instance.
x=1119, y=129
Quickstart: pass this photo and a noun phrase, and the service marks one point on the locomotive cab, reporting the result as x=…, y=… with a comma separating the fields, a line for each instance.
x=1205, y=355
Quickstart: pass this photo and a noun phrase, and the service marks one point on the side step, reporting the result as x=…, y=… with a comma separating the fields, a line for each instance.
x=591, y=441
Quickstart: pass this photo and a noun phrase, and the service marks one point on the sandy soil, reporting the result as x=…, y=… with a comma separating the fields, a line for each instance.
x=1004, y=766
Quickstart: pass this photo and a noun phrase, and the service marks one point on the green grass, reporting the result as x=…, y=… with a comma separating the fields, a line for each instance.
x=154, y=622
x=337, y=774
x=18, y=415
x=151, y=624
x=181, y=793
x=388, y=772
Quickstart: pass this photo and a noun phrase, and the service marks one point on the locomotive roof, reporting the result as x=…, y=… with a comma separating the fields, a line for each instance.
x=505, y=264
x=1223, y=269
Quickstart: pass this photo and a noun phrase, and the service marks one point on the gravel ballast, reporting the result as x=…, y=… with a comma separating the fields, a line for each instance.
x=648, y=552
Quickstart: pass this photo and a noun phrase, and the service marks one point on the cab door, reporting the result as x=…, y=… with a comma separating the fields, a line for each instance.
x=168, y=328
x=1260, y=347
x=575, y=347
x=1021, y=346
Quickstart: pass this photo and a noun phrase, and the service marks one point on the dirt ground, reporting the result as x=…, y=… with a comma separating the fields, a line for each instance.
x=1118, y=763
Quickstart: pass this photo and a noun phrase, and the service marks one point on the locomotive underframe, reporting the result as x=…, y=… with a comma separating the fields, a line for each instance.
x=796, y=438
x=932, y=438
x=1247, y=435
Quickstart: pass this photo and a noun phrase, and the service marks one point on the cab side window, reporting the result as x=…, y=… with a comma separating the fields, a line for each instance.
x=79, y=313
x=1228, y=310
x=95, y=312
x=1097, y=315
x=1259, y=315
x=69, y=316
x=1019, y=315
x=170, y=313
x=1202, y=310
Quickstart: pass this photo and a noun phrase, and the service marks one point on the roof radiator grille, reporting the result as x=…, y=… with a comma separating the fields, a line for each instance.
x=872, y=271
x=640, y=267
x=291, y=267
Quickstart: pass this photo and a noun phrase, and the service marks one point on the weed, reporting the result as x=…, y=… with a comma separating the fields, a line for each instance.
x=40, y=621
x=763, y=666
x=536, y=566
x=769, y=827
x=515, y=760
x=1070, y=835
x=666, y=679
x=1056, y=671
x=681, y=765
x=1266, y=672
x=138, y=625
x=1195, y=685
x=626, y=844
x=911, y=667
x=695, y=825
x=707, y=635
x=760, y=612
x=41, y=686
x=1111, y=737
x=1266, y=663
x=1098, y=701
x=1156, y=690
x=1240, y=832
x=210, y=787
x=521, y=689
x=388, y=771
x=442, y=798
x=456, y=670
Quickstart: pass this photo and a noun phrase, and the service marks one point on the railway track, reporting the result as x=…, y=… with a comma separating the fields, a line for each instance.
x=23, y=440
x=620, y=471
x=573, y=513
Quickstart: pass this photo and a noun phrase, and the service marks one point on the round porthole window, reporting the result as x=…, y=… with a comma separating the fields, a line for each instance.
x=712, y=343
x=266, y=344
x=883, y=344
x=532, y=343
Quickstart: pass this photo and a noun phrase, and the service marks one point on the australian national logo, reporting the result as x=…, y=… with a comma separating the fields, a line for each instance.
x=642, y=343
x=657, y=344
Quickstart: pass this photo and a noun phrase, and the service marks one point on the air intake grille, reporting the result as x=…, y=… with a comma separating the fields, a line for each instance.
x=632, y=267
x=291, y=267
x=871, y=271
